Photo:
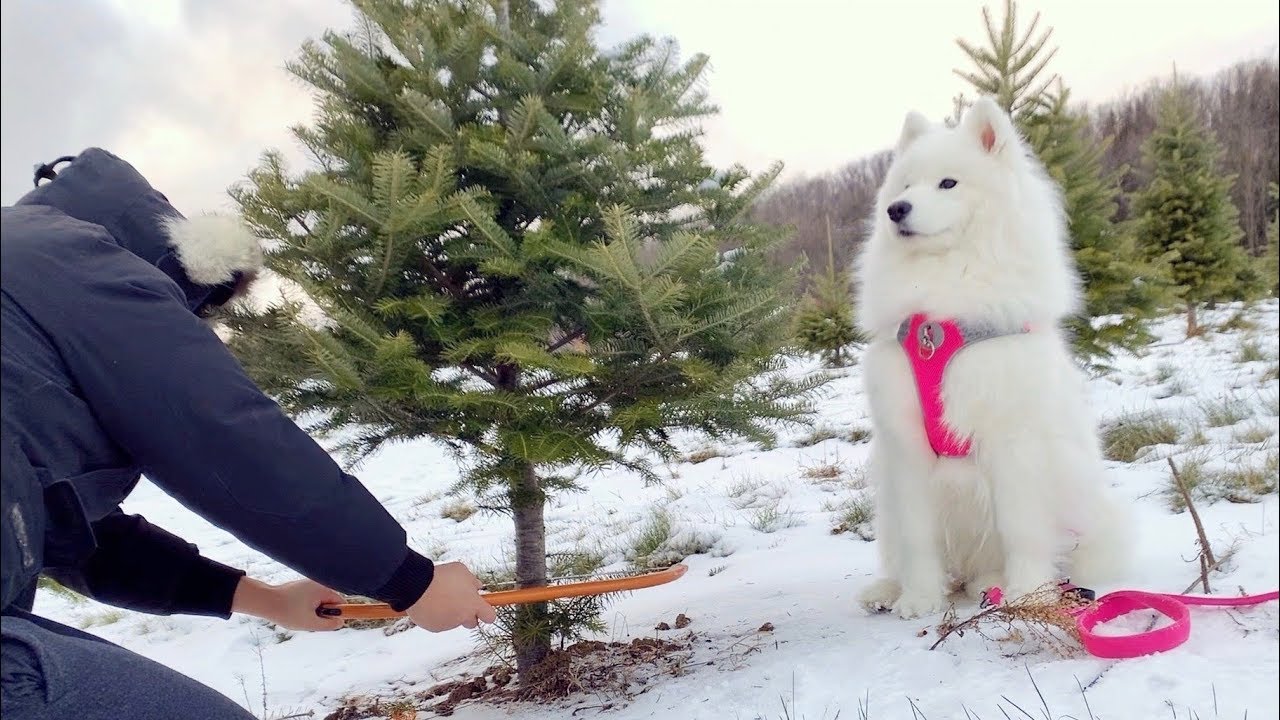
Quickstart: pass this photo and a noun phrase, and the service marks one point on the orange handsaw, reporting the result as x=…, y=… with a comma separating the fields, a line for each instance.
x=522, y=596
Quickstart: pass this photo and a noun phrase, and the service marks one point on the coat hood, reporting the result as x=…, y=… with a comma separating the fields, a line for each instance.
x=211, y=257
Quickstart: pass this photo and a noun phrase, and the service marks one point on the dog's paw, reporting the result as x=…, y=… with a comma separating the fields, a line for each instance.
x=914, y=604
x=880, y=595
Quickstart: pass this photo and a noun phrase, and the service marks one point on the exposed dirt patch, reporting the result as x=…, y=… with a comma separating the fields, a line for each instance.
x=587, y=676
x=608, y=672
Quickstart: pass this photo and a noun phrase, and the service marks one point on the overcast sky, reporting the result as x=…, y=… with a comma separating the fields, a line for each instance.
x=192, y=92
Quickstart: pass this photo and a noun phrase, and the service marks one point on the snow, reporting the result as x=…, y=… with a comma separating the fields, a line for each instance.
x=770, y=556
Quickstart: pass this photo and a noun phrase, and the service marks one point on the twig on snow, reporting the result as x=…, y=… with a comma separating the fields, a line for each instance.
x=1207, y=561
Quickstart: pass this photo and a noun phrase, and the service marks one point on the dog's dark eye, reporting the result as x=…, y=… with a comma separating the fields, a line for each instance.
x=947, y=183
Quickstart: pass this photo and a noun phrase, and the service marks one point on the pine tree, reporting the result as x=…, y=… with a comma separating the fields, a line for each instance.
x=1186, y=210
x=514, y=243
x=1011, y=68
x=1121, y=291
x=1118, y=282
x=824, y=321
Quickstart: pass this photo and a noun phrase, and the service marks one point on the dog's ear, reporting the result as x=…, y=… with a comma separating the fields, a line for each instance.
x=989, y=124
x=913, y=127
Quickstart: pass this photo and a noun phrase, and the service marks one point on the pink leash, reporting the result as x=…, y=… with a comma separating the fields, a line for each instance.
x=1122, y=602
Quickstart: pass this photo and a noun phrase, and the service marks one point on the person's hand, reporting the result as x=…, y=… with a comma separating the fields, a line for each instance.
x=291, y=605
x=452, y=600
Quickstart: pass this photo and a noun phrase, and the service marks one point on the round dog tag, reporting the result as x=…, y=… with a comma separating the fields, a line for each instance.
x=930, y=337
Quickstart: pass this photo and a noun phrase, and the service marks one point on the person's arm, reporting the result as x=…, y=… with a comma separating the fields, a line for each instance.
x=141, y=567
x=169, y=392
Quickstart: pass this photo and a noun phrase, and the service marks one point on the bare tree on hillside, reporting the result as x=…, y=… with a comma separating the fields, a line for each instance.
x=846, y=196
x=1243, y=104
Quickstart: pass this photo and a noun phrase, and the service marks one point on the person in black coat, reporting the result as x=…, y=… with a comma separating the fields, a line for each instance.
x=109, y=373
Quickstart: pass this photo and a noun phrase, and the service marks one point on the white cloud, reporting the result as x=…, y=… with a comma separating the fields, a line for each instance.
x=817, y=83
x=193, y=92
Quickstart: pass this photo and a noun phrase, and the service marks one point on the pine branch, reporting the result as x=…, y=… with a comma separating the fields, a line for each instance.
x=600, y=401
x=298, y=219
x=482, y=373
x=576, y=334
x=1021, y=46
x=1045, y=612
x=543, y=384
x=443, y=282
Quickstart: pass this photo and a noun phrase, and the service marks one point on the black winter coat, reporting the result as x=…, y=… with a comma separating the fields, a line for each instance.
x=108, y=373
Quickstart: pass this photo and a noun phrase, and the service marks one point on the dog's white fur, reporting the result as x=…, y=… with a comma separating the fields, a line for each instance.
x=212, y=248
x=1029, y=504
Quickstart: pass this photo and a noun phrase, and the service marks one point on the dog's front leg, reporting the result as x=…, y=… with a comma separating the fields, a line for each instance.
x=1023, y=511
x=913, y=581
x=918, y=516
x=908, y=512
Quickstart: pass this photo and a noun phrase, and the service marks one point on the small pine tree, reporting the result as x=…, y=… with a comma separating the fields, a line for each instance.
x=1186, y=211
x=1118, y=282
x=1011, y=69
x=824, y=321
x=512, y=239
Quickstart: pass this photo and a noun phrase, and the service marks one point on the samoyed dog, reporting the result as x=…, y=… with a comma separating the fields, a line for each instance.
x=984, y=456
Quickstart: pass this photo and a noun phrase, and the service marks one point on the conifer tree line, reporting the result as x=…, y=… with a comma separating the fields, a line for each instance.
x=1130, y=202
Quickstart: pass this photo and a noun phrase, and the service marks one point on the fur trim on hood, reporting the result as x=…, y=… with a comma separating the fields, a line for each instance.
x=213, y=248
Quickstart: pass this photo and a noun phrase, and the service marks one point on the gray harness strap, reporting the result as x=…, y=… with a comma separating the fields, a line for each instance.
x=932, y=333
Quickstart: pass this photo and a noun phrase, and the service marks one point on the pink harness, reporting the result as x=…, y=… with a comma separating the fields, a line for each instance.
x=930, y=345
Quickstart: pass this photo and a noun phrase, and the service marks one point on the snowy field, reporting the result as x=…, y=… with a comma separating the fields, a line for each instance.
x=763, y=522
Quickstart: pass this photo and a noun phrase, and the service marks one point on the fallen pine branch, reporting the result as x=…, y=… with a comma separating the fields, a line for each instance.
x=1045, y=613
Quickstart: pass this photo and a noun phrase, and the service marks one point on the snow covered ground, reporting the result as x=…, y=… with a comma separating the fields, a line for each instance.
x=766, y=519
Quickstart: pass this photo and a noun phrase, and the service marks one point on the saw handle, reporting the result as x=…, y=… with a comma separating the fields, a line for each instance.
x=521, y=596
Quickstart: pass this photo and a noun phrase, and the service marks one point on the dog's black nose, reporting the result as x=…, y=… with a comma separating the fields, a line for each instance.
x=899, y=210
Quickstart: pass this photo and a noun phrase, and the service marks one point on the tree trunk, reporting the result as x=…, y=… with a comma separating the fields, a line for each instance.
x=530, y=631
x=531, y=634
x=1193, y=327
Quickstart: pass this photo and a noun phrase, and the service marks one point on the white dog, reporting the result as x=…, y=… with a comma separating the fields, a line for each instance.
x=985, y=458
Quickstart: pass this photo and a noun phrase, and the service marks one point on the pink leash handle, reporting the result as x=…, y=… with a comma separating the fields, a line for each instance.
x=1175, y=607
x=1122, y=602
